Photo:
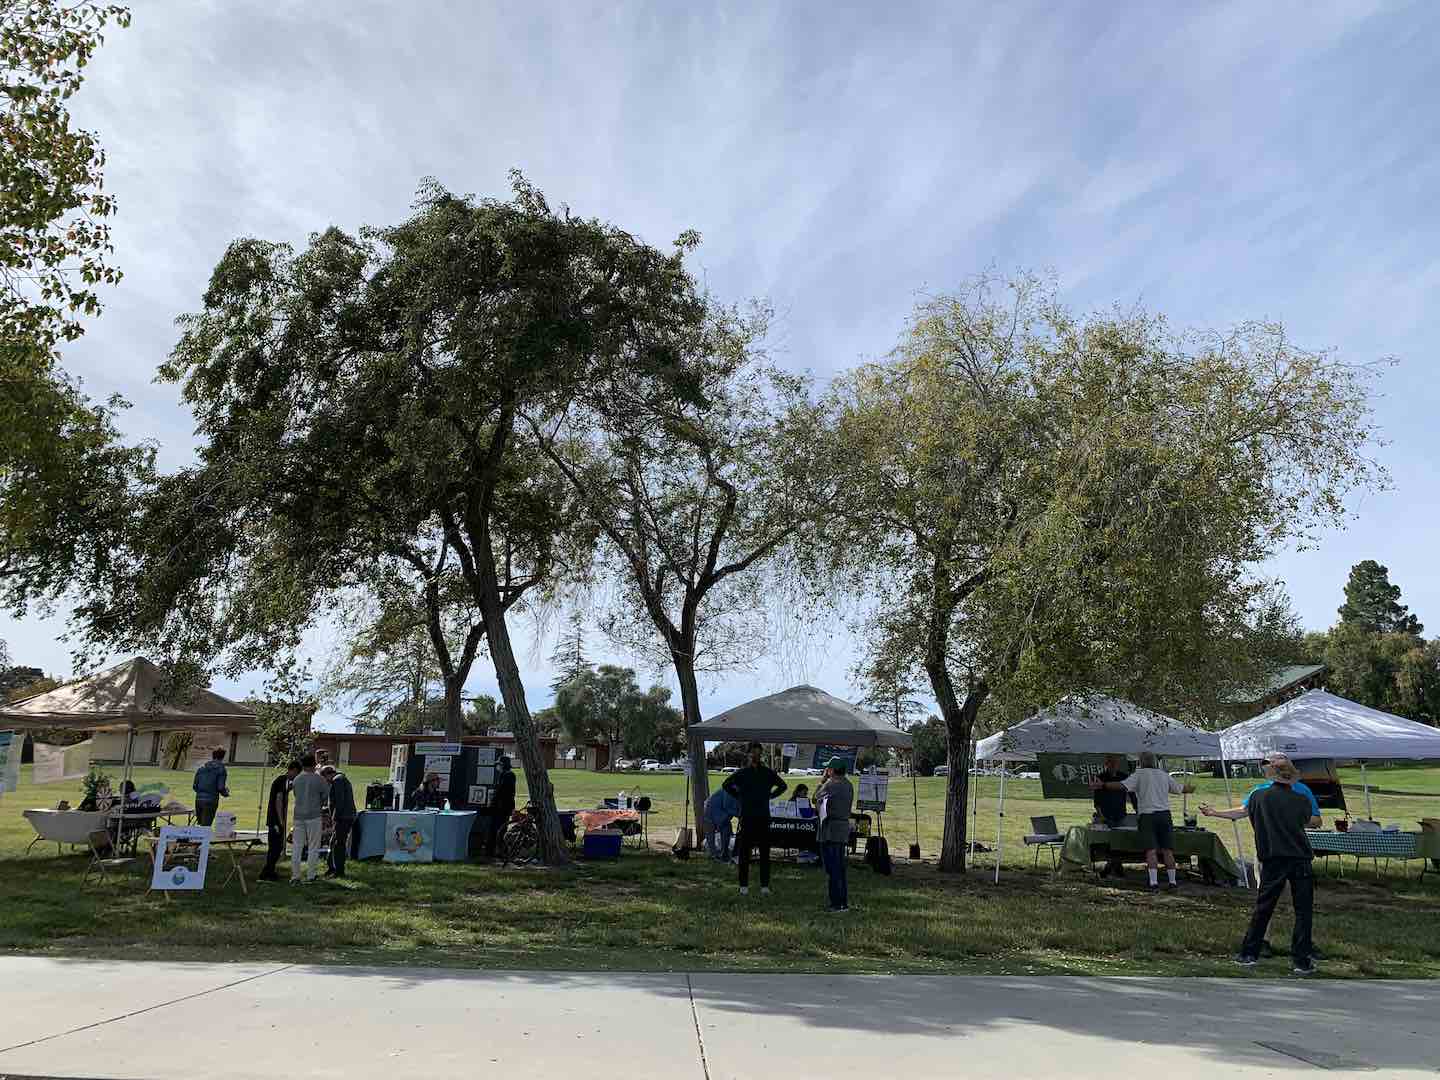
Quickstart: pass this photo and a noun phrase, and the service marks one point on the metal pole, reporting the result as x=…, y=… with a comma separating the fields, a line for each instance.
x=974, y=782
x=1368, y=812
x=1230, y=805
x=1000, y=826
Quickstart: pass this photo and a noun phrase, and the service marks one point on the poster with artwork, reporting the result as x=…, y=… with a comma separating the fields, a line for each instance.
x=181, y=856
x=410, y=838
x=481, y=795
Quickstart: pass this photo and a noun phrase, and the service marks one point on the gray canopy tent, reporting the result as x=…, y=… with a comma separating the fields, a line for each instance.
x=805, y=714
x=130, y=697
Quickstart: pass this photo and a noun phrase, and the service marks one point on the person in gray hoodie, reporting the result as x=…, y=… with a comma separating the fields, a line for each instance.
x=211, y=782
x=835, y=798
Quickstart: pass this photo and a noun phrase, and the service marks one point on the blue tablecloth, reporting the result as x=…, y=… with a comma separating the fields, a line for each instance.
x=452, y=833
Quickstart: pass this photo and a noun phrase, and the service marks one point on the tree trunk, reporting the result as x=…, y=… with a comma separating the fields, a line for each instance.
x=960, y=730
x=699, y=775
x=454, y=716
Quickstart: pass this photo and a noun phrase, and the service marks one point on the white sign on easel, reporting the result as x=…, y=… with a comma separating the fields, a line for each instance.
x=181, y=855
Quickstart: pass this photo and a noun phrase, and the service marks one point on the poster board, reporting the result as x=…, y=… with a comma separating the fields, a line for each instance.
x=1068, y=776
x=425, y=749
x=873, y=792
x=440, y=765
x=481, y=795
x=487, y=755
x=789, y=750
x=410, y=837
x=10, y=746
x=181, y=855
x=399, y=758
x=55, y=763
x=847, y=754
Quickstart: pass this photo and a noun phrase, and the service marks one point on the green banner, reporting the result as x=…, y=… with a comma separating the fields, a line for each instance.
x=1068, y=776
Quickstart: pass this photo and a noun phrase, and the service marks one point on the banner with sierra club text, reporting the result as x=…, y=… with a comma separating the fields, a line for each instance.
x=1068, y=776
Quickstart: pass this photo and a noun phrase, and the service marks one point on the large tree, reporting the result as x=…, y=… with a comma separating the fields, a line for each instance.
x=1373, y=604
x=692, y=496
x=373, y=398
x=1040, y=503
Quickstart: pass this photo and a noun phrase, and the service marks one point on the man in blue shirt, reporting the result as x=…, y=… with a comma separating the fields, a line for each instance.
x=210, y=783
x=720, y=809
x=1272, y=761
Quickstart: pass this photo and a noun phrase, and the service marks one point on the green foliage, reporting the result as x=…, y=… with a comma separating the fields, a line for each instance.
x=607, y=705
x=1373, y=604
x=175, y=750
x=568, y=659
x=95, y=785
x=1039, y=503
x=930, y=746
x=283, y=727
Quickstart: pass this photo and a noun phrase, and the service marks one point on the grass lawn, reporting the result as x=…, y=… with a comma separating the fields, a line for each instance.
x=653, y=912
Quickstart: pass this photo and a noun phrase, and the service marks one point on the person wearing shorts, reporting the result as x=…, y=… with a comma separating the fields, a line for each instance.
x=1152, y=787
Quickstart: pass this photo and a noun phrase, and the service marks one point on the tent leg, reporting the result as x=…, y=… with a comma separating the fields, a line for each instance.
x=975, y=802
x=1000, y=827
x=1365, y=781
x=1230, y=805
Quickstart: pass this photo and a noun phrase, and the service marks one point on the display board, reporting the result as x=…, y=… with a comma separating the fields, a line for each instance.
x=410, y=837
x=1068, y=776
x=873, y=792
x=181, y=856
x=10, y=746
x=440, y=765
x=847, y=754
x=424, y=748
x=399, y=758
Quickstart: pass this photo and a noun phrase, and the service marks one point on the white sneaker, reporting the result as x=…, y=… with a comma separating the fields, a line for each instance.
x=765, y=891
x=744, y=890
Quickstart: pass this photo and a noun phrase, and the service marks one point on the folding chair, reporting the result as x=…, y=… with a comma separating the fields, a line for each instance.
x=1046, y=835
x=102, y=857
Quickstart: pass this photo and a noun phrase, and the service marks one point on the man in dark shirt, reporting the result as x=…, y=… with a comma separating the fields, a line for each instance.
x=502, y=806
x=1110, y=805
x=343, y=812
x=1279, y=815
x=276, y=812
x=753, y=787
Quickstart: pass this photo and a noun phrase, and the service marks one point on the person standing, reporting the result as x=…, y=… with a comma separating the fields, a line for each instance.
x=1279, y=815
x=342, y=813
x=1110, y=805
x=836, y=798
x=720, y=810
x=211, y=782
x=276, y=812
x=1152, y=787
x=753, y=787
x=502, y=807
x=309, y=791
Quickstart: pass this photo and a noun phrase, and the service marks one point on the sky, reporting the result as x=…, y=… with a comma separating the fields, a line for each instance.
x=1215, y=162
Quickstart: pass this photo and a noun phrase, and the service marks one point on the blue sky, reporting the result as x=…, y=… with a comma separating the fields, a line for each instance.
x=1216, y=162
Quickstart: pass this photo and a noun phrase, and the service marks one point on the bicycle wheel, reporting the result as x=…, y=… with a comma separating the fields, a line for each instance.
x=521, y=843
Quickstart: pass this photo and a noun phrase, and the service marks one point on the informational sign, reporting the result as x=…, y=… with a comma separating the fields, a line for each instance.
x=428, y=748
x=481, y=795
x=784, y=808
x=847, y=754
x=790, y=749
x=399, y=756
x=181, y=856
x=10, y=745
x=440, y=765
x=487, y=755
x=410, y=838
x=54, y=763
x=1068, y=776
x=874, y=792
x=485, y=774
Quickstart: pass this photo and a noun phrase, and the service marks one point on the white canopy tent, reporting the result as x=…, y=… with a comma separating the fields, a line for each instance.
x=1095, y=724
x=1321, y=725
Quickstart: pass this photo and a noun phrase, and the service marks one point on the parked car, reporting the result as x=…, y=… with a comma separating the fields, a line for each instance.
x=1027, y=775
x=941, y=770
x=626, y=763
x=728, y=768
x=651, y=765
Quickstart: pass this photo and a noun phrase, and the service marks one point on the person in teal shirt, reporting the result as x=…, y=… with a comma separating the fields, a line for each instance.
x=1297, y=787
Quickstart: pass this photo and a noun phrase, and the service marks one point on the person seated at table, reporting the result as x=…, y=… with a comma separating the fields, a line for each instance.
x=1111, y=806
x=801, y=794
x=428, y=795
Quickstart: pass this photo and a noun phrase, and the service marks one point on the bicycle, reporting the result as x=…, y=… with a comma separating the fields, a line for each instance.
x=520, y=843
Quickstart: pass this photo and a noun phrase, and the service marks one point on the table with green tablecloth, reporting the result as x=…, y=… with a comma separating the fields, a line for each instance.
x=1087, y=844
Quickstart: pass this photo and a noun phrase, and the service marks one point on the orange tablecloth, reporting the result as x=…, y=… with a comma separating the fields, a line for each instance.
x=600, y=819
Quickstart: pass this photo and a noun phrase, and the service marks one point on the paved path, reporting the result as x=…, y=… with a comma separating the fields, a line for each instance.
x=144, y=1021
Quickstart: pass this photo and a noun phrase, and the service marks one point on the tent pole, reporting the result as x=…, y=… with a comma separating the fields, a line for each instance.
x=1364, y=780
x=125, y=776
x=973, y=781
x=1000, y=825
x=1230, y=805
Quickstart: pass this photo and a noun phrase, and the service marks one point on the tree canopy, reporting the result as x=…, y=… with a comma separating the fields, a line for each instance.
x=1040, y=503
x=1373, y=604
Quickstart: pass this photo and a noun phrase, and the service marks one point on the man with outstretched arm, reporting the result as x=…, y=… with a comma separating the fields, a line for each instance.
x=753, y=787
x=1152, y=787
x=1279, y=815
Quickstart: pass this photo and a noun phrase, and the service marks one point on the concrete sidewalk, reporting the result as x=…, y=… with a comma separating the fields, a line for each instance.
x=63, y=1018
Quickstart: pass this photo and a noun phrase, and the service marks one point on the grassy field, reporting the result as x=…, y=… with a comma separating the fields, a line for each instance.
x=649, y=911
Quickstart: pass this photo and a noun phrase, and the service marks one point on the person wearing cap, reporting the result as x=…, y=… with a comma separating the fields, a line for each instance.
x=1279, y=815
x=502, y=806
x=343, y=813
x=835, y=798
x=428, y=795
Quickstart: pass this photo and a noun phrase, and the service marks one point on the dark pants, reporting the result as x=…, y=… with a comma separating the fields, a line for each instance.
x=1274, y=873
x=833, y=856
x=495, y=833
x=754, y=832
x=275, y=835
x=205, y=812
x=340, y=845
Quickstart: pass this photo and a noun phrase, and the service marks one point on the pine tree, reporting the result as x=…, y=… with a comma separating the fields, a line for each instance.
x=569, y=659
x=1372, y=603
